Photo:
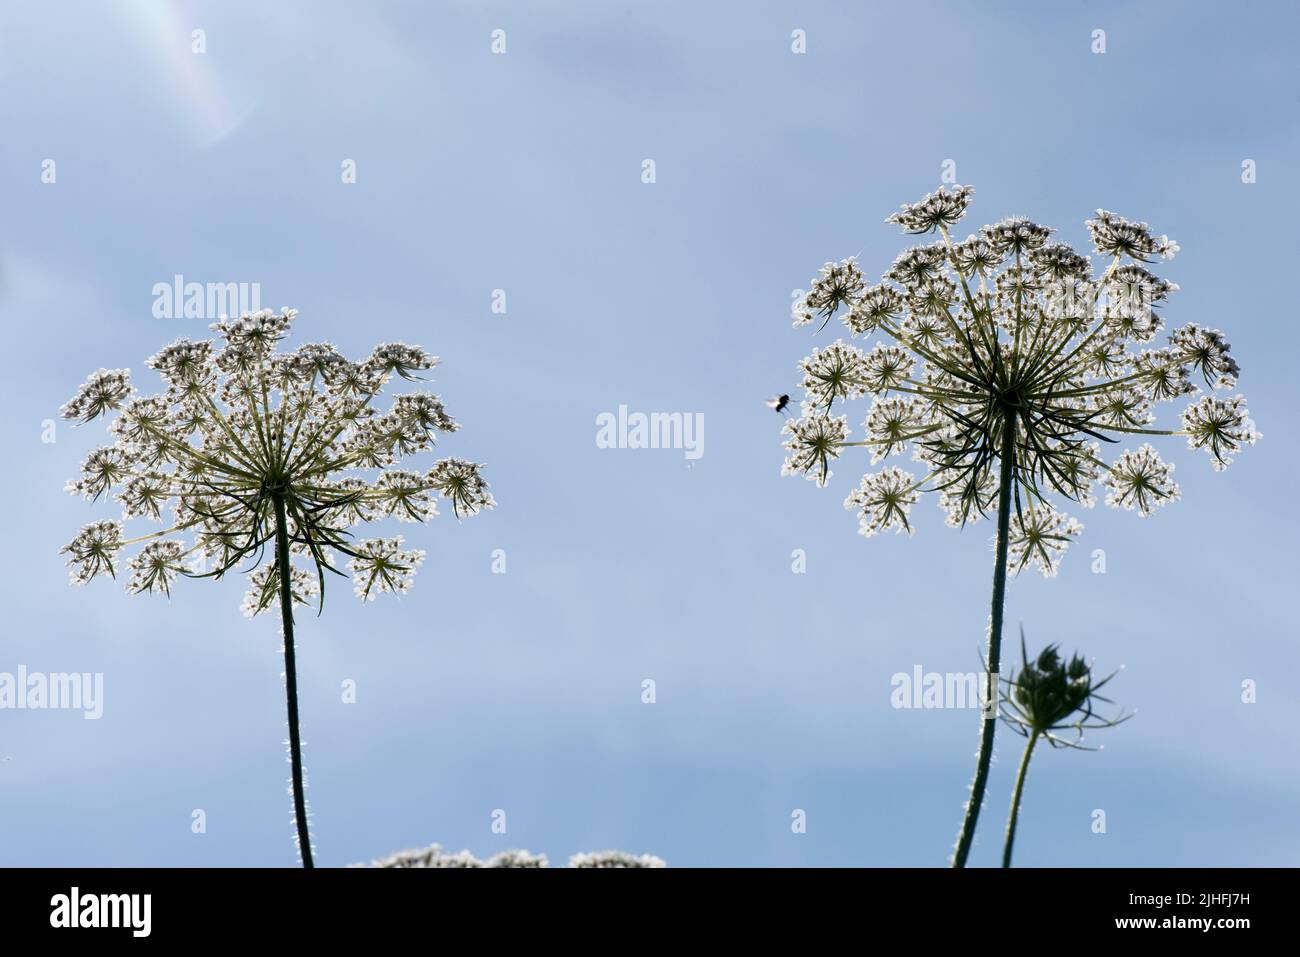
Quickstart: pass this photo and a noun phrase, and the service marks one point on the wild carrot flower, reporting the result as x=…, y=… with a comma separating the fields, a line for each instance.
x=1006, y=363
x=249, y=447
x=615, y=859
x=1052, y=699
x=433, y=856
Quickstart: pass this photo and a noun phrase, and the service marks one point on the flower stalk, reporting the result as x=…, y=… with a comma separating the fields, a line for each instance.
x=291, y=678
x=988, y=729
x=1014, y=816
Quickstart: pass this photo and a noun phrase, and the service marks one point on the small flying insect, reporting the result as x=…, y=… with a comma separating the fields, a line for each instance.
x=778, y=404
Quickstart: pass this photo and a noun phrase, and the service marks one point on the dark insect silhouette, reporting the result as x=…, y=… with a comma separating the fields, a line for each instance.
x=778, y=404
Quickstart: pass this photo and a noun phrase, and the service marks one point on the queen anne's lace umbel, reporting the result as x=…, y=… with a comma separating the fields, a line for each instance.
x=435, y=857
x=1008, y=330
x=242, y=426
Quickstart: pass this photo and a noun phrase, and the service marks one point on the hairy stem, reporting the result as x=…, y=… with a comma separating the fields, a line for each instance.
x=990, y=720
x=291, y=677
x=1015, y=799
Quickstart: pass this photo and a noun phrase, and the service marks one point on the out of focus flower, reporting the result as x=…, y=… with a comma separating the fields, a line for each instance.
x=434, y=856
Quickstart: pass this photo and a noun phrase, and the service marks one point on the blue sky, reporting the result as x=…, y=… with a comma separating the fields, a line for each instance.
x=522, y=691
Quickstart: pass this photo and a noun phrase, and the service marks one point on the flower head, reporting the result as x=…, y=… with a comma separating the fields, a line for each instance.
x=103, y=391
x=835, y=372
x=1050, y=695
x=837, y=284
x=93, y=551
x=461, y=483
x=156, y=566
x=264, y=588
x=940, y=208
x=1221, y=427
x=1040, y=535
x=435, y=856
x=381, y=565
x=882, y=501
x=1140, y=480
x=1115, y=236
x=242, y=430
x=814, y=441
x=876, y=305
x=1016, y=235
x=615, y=859
x=1008, y=348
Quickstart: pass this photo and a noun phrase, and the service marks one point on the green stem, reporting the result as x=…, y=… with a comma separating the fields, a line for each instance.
x=291, y=676
x=990, y=722
x=1015, y=799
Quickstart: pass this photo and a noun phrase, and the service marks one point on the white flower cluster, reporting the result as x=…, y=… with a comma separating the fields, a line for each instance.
x=1006, y=346
x=245, y=440
x=434, y=856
